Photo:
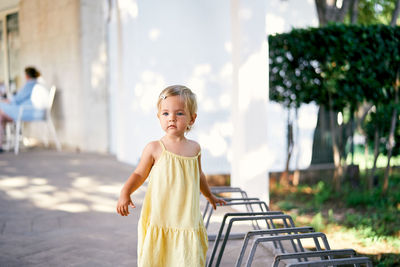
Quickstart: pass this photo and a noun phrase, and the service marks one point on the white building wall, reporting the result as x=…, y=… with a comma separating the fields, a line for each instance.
x=66, y=41
x=191, y=43
x=251, y=151
x=179, y=42
x=94, y=74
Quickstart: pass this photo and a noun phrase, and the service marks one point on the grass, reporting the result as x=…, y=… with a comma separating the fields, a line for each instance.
x=366, y=221
x=363, y=163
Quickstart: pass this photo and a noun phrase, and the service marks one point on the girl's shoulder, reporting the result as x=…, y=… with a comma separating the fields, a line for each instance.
x=194, y=145
x=153, y=148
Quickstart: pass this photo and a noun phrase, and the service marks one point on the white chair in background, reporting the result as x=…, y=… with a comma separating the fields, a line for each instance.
x=42, y=99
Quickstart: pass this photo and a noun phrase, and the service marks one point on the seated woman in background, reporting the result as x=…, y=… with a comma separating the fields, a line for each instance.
x=10, y=108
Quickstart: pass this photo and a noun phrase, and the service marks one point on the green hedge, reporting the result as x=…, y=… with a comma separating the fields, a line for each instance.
x=342, y=63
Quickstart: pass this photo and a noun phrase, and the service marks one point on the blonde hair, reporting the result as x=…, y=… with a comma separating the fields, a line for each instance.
x=188, y=97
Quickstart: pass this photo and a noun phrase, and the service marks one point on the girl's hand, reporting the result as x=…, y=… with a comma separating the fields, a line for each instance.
x=123, y=203
x=214, y=201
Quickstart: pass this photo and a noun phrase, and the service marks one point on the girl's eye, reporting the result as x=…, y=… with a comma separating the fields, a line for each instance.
x=165, y=114
x=180, y=114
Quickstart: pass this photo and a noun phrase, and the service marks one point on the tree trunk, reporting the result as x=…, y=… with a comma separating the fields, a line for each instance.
x=343, y=10
x=322, y=152
x=337, y=175
x=366, y=152
x=354, y=12
x=395, y=13
x=321, y=7
x=390, y=149
x=361, y=114
x=342, y=133
x=327, y=11
x=376, y=155
x=352, y=137
x=285, y=176
x=330, y=12
x=391, y=135
x=336, y=158
x=296, y=174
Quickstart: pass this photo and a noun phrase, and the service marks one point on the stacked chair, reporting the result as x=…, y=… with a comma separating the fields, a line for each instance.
x=275, y=232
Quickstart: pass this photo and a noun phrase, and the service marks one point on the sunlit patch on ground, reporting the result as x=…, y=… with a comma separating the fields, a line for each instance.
x=58, y=209
x=83, y=193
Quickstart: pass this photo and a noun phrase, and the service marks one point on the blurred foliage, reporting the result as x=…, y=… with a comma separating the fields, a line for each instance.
x=318, y=222
x=374, y=12
x=380, y=119
x=350, y=64
x=343, y=68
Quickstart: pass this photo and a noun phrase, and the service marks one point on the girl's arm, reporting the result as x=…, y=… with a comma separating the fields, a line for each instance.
x=136, y=179
x=205, y=190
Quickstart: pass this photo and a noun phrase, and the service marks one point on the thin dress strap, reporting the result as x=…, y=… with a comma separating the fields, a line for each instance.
x=162, y=145
x=164, y=149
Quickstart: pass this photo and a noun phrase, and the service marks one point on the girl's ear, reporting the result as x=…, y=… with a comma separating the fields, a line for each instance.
x=194, y=116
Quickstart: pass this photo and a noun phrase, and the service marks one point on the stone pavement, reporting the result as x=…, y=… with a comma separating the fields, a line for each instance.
x=58, y=209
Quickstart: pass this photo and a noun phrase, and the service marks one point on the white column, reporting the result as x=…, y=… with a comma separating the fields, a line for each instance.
x=250, y=158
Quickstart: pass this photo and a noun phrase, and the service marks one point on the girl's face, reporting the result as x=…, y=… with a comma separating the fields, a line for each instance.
x=173, y=116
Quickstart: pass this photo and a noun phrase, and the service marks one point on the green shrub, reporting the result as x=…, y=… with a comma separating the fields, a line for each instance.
x=357, y=198
x=318, y=222
x=377, y=223
x=323, y=193
x=285, y=205
x=331, y=218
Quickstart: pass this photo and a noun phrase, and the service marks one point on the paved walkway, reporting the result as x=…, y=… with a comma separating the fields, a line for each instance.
x=58, y=209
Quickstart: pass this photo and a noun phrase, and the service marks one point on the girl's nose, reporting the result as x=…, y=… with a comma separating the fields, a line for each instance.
x=172, y=118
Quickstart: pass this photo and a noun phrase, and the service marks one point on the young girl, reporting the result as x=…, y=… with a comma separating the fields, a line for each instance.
x=170, y=229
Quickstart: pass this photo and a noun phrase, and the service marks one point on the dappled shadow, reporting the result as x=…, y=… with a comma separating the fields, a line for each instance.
x=67, y=181
x=58, y=209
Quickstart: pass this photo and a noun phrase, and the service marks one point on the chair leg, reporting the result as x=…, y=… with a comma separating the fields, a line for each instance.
x=16, y=138
x=8, y=135
x=46, y=134
x=52, y=129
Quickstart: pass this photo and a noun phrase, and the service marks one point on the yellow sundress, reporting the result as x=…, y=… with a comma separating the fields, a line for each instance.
x=171, y=232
